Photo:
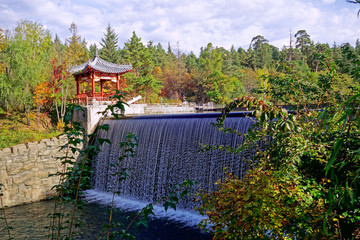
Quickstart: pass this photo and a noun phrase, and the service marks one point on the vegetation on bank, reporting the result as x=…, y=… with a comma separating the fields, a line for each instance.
x=15, y=130
x=304, y=178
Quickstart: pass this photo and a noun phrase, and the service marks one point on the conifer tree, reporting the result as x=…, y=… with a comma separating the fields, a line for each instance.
x=303, y=43
x=59, y=48
x=76, y=52
x=109, y=51
x=93, y=50
x=139, y=56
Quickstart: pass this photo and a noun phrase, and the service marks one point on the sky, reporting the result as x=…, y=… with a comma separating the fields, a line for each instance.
x=191, y=24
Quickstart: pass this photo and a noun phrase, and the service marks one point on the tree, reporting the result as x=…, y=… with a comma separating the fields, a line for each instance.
x=303, y=43
x=59, y=49
x=141, y=80
x=357, y=46
x=304, y=177
x=109, y=50
x=157, y=53
x=261, y=53
x=76, y=52
x=2, y=47
x=191, y=62
x=349, y=61
x=93, y=50
x=320, y=56
x=257, y=42
x=222, y=88
x=176, y=77
x=59, y=85
x=27, y=61
x=210, y=59
x=231, y=61
x=136, y=54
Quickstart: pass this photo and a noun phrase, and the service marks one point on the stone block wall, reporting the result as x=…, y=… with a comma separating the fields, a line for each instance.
x=25, y=169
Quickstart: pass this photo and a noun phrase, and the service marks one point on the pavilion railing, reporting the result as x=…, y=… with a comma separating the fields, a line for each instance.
x=92, y=100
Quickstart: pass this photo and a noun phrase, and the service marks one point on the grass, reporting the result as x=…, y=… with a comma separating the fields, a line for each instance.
x=14, y=129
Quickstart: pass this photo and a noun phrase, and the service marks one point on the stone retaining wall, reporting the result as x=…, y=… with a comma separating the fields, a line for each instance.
x=25, y=169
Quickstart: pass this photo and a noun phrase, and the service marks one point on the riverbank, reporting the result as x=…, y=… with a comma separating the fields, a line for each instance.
x=15, y=130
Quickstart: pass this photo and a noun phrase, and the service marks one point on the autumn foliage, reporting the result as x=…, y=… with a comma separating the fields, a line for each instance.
x=304, y=178
x=265, y=204
x=43, y=96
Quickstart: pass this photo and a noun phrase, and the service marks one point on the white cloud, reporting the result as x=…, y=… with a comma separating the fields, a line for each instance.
x=328, y=1
x=193, y=23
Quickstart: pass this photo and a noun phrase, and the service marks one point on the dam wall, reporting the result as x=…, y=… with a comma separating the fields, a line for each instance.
x=25, y=169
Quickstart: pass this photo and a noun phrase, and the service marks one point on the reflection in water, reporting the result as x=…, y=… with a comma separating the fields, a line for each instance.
x=30, y=222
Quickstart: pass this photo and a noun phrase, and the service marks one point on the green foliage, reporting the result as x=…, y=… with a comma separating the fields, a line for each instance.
x=109, y=51
x=3, y=43
x=265, y=204
x=170, y=74
x=222, y=88
x=303, y=43
x=76, y=52
x=299, y=86
x=139, y=56
x=14, y=129
x=26, y=59
x=14, y=137
x=315, y=152
x=210, y=59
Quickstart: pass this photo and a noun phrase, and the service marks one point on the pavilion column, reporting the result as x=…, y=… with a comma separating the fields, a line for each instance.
x=93, y=84
x=117, y=82
x=101, y=87
x=77, y=86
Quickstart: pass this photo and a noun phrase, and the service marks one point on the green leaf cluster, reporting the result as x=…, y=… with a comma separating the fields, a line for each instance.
x=305, y=175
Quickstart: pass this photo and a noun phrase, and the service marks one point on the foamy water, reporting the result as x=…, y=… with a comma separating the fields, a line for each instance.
x=186, y=217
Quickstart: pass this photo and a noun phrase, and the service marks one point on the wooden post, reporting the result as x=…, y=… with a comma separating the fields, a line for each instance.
x=117, y=82
x=77, y=86
x=101, y=87
x=93, y=84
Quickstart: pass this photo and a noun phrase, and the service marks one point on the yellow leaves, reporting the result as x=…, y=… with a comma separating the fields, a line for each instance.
x=2, y=46
x=263, y=201
x=43, y=94
x=60, y=125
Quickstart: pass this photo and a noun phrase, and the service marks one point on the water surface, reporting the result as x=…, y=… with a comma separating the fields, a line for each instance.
x=30, y=221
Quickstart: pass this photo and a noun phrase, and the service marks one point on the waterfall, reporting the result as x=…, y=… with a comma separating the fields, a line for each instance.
x=168, y=153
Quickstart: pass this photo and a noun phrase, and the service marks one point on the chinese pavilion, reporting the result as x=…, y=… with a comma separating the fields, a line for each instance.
x=99, y=73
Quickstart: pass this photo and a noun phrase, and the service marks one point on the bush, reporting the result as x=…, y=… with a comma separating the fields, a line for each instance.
x=305, y=182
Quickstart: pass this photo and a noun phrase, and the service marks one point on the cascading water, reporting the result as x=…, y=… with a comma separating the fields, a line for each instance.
x=168, y=153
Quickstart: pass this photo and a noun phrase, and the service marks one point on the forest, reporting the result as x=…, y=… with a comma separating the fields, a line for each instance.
x=34, y=67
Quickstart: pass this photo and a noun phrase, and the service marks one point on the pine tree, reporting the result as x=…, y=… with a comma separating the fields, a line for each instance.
x=303, y=43
x=76, y=52
x=139, y=56
x=109, y=51
x=93, y=50
x=59, y=49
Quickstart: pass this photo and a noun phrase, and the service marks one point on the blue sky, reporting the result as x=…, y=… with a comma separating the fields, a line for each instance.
x=192, y=23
